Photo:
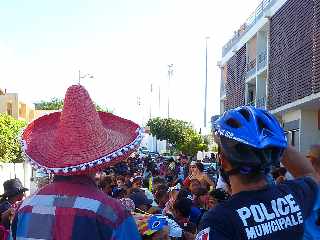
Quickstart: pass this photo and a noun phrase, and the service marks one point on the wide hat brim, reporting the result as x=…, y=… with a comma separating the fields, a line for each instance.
x=15, y=192
x=79, y=140
x=82, y=154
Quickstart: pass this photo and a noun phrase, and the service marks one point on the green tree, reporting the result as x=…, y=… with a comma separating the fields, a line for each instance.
x=57, y=104
x=195, y=144
x=180, y=134
x=102, y=108
x=10, y=149
x=53, y=104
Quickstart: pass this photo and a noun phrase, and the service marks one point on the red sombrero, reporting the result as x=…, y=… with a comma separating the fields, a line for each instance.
x=79, y=140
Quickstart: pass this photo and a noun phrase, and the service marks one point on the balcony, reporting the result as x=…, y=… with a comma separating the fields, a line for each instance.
x=252, y=103
x=222, y=89
x=254, y=17
x=262, y=60
x=261, y=103
x=251, y=67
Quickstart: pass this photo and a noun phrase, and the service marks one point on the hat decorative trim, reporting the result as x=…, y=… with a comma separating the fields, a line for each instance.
x=84, y=166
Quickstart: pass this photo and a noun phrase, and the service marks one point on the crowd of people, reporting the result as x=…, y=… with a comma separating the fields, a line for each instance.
x=93, y=184
x=175, y=190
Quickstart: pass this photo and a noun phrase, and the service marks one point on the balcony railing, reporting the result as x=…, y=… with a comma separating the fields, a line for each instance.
x=252, y=103
x=222, y=89
x=262, y=60
x=261, y=103
x=251, y=67
x=254, y=17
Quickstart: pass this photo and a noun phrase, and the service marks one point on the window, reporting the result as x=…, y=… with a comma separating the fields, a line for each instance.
x=296, y=138
x=22, y=110
x=9, y=109
x=293, y=137
x=251, y=96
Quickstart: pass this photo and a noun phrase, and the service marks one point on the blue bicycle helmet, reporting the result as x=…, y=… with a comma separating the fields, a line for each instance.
x=251, y=139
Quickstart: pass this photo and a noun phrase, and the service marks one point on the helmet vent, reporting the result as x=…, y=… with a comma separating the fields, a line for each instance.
x=233, y=123
x=261, y=125
x=245, y=113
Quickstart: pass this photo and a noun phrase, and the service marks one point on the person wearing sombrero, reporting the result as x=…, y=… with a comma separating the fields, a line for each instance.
x=73, y=145
x=14, y=192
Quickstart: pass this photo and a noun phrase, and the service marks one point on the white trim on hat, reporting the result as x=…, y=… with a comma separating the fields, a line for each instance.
x=84, y=166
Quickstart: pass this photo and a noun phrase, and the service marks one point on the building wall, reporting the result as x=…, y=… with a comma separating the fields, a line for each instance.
x=10, y=98
x=291, y=116
x=19, y=109
x=291, y=53
x=235, y=83
x=309, y=132
x=316, y=46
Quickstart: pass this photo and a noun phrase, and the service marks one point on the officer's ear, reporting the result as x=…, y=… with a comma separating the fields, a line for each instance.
x=224, y=162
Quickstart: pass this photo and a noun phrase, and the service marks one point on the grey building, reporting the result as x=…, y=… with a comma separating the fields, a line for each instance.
x=273, y=62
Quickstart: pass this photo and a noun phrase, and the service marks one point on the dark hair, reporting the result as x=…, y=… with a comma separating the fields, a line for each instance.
x=201, y=191
x=145, y=183
x=200, y=166
x=184, y=193
x=183, y=206
x=3, y=199
x=281, y=171
x=163, y=187
x=220, y=195
x=160, y=193
x=119, y=193
x=159, y=180
x=247, y=160
x=121, y=178
x=107, y=180
x=137, y=179
x=247, y=174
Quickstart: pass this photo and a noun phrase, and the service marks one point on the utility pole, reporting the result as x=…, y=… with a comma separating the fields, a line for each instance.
x=139, y=108
x=170, y=72
x=150, y=106
x=206, y=87
x=159, y=99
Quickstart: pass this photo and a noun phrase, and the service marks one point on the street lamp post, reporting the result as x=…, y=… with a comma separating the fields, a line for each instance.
x=150, y=104
x=170, y=72
x=159, y=101
x=206, y=87
x=87, y=75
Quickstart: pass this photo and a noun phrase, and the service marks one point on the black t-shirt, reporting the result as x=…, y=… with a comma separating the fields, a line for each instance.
x=275, y=212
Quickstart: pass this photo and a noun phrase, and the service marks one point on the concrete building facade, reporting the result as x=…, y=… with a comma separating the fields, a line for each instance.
x=273, y=62
x=11, y=104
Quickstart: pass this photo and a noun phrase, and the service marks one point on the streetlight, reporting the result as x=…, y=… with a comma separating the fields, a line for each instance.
x=206, y=87
x=170, y=72
x=151, y=100
x=87, y=75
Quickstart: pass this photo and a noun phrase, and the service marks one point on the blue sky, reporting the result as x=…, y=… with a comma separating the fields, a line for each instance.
x=125, y=44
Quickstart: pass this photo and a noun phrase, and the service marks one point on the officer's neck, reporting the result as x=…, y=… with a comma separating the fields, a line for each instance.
x=238, y=186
